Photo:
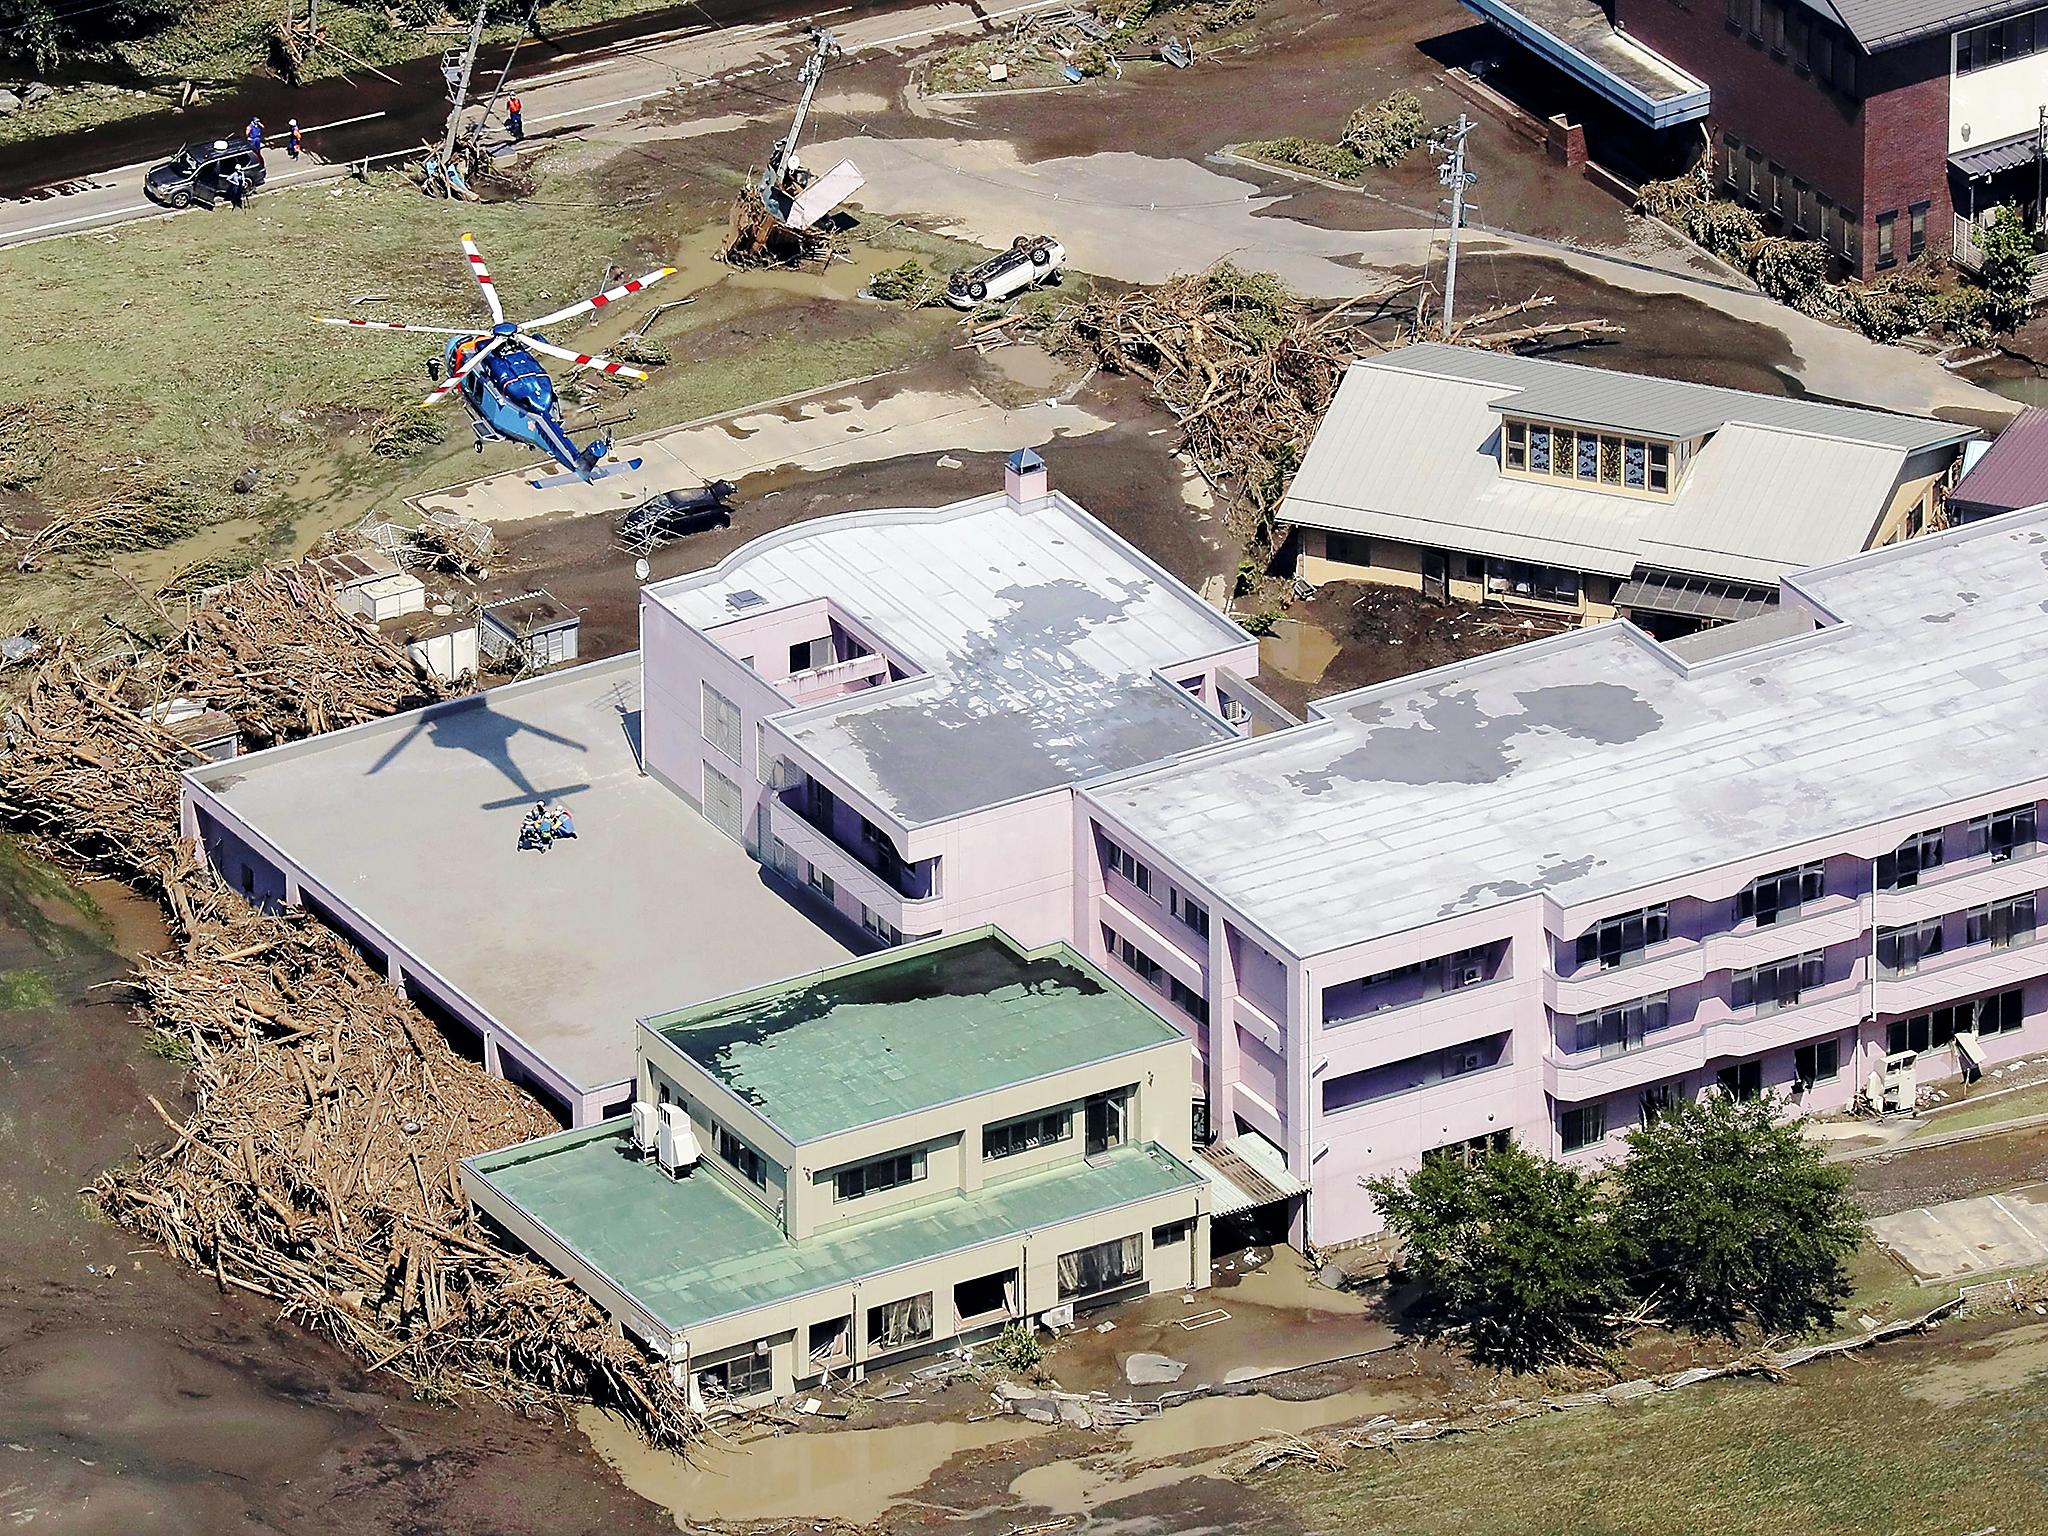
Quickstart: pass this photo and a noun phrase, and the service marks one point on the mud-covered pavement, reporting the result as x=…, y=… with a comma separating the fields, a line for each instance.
x=134, y=1397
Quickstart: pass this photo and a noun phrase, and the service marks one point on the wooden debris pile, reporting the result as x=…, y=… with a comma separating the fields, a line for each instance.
x=1249, y=368
x=319, y=1165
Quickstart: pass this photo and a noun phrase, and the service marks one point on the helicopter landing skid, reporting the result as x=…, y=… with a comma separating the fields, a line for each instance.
x=550, y=482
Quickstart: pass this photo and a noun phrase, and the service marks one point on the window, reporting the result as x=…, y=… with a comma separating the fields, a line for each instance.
x=1767, y=988
x=248, y=879
x=1134, y=958
x=1106, y=1118
x=2003, y=925
x=824, y=884
x=1755, y=21
x=1802, y=207
x=1998, y=1014
x=1104, y=1267
x=1916, y=231
x=1903, y=867
x=1028, y=1134
x=1515, y=578
x=880, y=927
x=809, y=655
x=742, y=1376
x=1470, y=1151
x=1173, y=1232
x=1134, y=872
x=1539, y=449
x=1189, y=911
x=1887, y=230
x=2000, y=42
x=2003, y=833
x=1847, y=228
x=1347, y=549
x=891, y=1172
x=1731, y=161
x=1515, y=445
x=1737, y=10
x=819, y=804
x=1654, y=1101
x=1753, y=169
x=1769, y=897
x=1774, y=27
x=1798, y=36
x=1744, y=1080
x=1816, y=1063
x=1900, y=950
x=1660, y=467
x=1624, y=936
x=900, y=1324
x=1188, y=1000
x=1583, y=1125
x=1777, y=174
x=721, y=723
x=1613, y=1031
x=1596, y=458
x=742, y=1159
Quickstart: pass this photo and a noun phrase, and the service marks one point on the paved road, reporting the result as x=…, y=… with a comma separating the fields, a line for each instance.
x=596, y=90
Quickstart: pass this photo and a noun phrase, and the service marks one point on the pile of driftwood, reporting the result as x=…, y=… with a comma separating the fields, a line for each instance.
x=318, y=1167
x=1249, y=368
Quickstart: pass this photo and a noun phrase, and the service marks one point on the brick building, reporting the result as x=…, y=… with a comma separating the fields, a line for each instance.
x=1883, y=128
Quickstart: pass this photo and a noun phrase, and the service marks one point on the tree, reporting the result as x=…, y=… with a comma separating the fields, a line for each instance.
x=2005, y=266
x=1727, y=1214
x=1512, y=1253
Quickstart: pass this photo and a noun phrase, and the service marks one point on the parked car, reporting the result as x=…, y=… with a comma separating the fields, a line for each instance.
x=198, y=173
x=673, y=514
x=1030, y=260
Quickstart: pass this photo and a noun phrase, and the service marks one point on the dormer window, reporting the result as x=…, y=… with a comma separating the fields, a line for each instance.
x=1535, y=448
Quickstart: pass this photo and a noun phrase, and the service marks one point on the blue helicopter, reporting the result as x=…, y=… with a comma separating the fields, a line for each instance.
x=507, y=390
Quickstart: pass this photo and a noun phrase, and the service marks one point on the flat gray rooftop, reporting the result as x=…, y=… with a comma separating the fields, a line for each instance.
x=1037, y=629
x=413, y=823
x=1597, y=763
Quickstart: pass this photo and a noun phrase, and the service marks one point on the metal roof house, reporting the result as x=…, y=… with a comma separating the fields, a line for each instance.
x=1490, y=477
x=1539, y=893
x=2009, y=474
x=871, y=1162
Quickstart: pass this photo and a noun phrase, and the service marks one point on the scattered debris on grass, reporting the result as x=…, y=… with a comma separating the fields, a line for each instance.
x=912, y=283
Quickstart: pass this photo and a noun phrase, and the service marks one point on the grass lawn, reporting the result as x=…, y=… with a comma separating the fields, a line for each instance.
x=177, y=352
x=1987, y=1110
x=1943, y=1437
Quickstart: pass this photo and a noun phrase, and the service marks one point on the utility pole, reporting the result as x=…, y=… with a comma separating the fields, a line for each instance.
x=1452, y=173
x=458, y=90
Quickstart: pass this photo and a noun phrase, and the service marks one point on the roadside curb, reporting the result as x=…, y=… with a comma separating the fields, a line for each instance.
x=1956, y=1137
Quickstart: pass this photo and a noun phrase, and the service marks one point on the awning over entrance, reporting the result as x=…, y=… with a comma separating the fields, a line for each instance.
x=2000, y=155
x=1245, y=1173
x=1692, y=597
x=1577, y=37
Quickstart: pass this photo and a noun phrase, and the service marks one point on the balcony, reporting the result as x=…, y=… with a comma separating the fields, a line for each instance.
x=1586, y=1075
x=835, y=680
x=1372, y=1039
x=1673, y=964
x=1966, y=883
x=1970, y=258
x=1959, y=974
x=1816, y=925
x=907, y=913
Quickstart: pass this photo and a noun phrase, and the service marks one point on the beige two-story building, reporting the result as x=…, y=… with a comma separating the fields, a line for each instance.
x=1552, y=488
x=871, y=1162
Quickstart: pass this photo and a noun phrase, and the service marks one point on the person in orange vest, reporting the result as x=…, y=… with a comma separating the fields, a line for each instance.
x=294, y=141
x=513, y=120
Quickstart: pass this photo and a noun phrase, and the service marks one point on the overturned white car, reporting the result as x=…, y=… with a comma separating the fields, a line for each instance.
x=1030, y=260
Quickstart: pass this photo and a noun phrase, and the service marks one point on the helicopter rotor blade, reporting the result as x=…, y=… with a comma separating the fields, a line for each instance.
x=482, y=274
x=598, y=301
x=453, y=382
x=599, y=362
x=396, y=325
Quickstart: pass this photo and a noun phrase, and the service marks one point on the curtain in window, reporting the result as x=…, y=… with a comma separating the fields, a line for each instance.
x=1103, y=1267
x=898, y=1323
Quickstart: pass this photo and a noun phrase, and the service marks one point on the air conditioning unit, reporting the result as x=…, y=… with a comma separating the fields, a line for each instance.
x=1058, y=1317
x=676, y=1142
x=1471, y=976
x=1522, y=589
x=1466, y=1061
x=646, y=1128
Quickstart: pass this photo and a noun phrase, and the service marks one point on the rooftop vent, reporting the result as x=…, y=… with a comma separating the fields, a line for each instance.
x=742, y=600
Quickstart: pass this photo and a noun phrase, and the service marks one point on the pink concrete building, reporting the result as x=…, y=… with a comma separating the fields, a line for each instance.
x=1541, y=893
x=893, y=708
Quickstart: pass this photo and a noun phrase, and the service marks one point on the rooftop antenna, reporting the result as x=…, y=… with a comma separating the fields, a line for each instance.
x=1452, y=173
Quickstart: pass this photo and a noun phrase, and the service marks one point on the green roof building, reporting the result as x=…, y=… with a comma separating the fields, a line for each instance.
x=873, y=1161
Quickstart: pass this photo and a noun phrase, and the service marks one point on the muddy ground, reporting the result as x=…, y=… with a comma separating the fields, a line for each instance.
x=133, y=1395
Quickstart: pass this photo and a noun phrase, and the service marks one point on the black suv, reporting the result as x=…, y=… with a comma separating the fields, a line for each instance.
x=199, y=174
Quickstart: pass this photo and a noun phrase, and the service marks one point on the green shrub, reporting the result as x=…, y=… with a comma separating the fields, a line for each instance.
x=1260, y=624
x=1017, y=1349
x=1385, y=132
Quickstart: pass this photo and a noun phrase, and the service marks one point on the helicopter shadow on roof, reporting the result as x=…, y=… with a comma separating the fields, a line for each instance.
x=487, y=734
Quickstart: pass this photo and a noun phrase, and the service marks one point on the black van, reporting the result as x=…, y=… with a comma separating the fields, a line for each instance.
x=199, y=174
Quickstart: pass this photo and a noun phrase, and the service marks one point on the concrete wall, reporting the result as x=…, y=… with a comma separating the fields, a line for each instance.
x=1395, y=564
x=1997, y=101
